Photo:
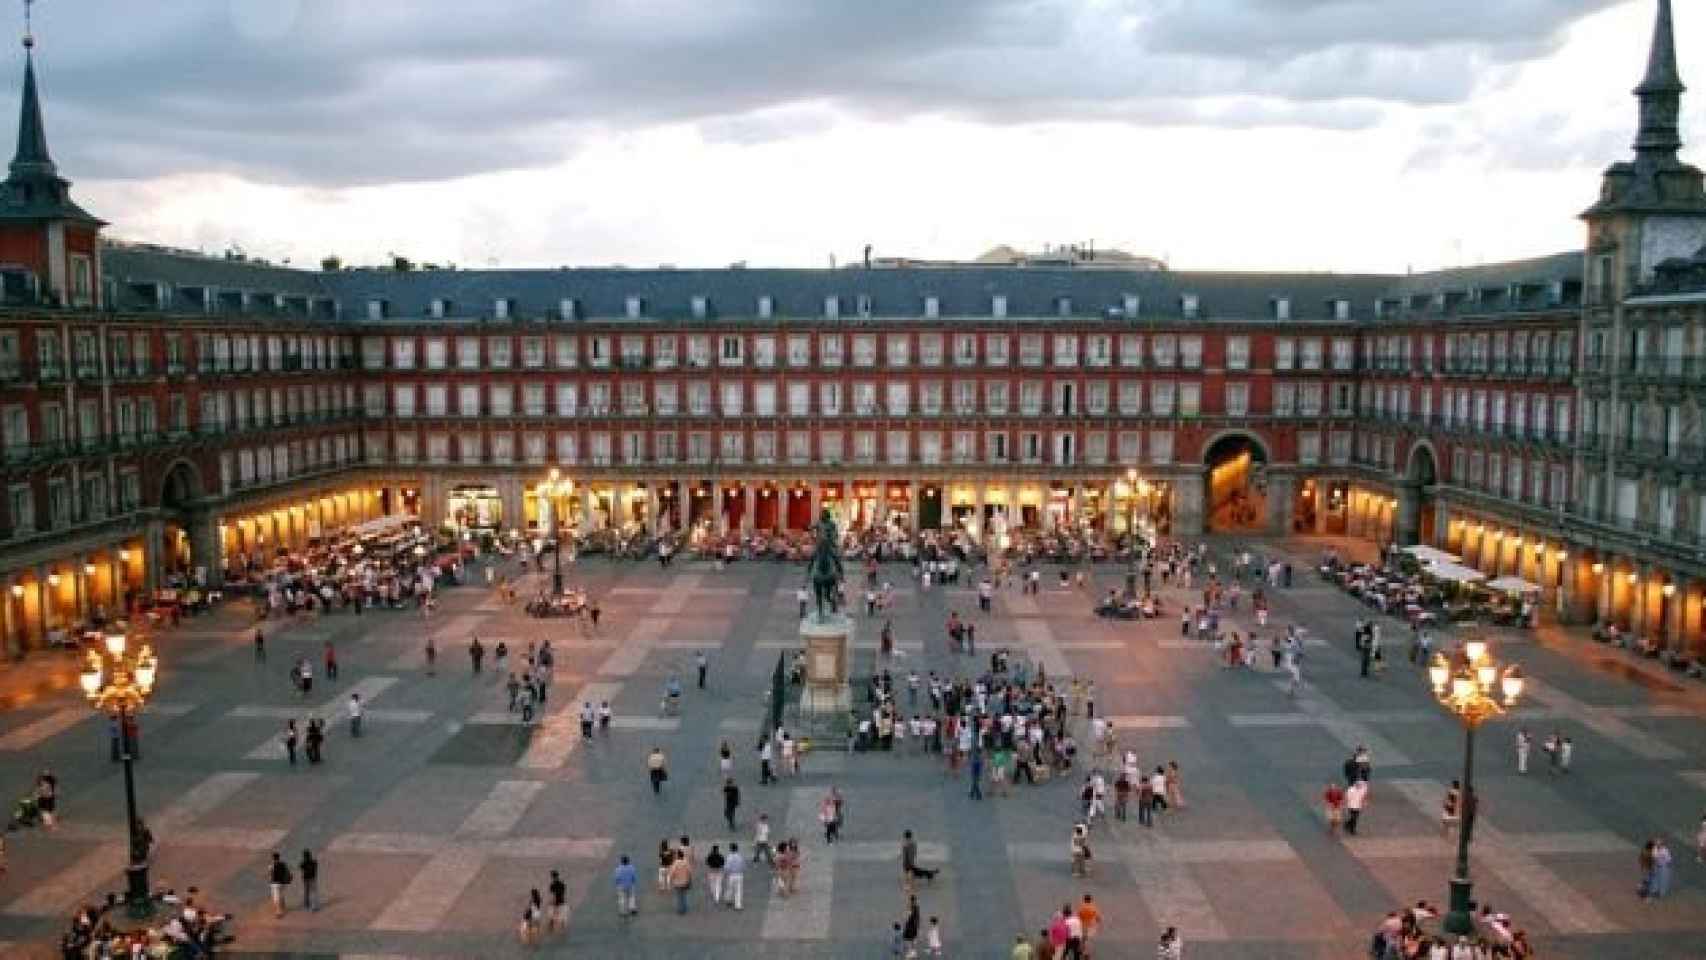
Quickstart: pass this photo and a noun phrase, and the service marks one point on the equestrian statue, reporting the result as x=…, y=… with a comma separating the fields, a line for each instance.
x=825, y=566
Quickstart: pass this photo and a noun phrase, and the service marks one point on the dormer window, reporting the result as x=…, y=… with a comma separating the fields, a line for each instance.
x=766, y=307
x=1282, y=308
x=1189, y=305
x=440, y=308
x=503, y=308
x=932, y=308
x=377, y=309
x=636, y=307
x=832, y=307
x=1133, y=304
x=567, y=308
x=1341, y=309
x=1063, y=306
x=864, y=304
x=701, y=307
x=998, y=305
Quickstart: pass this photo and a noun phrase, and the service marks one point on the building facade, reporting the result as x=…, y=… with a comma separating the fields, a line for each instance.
x=163, y=411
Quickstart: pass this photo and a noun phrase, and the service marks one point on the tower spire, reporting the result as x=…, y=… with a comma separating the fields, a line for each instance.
x=1660, y=94
x=34, y=189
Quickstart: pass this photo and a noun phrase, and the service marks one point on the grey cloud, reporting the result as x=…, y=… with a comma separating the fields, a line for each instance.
x=331, y=92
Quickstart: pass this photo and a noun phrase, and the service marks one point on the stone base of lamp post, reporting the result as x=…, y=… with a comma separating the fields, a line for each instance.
x=1460, y=919
x=138, y=901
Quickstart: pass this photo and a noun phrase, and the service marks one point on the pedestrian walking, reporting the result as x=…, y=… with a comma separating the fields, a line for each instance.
x=933, y=938
x=290, y=741
x=331, y=662
x=314, y=740
x=604, y=717
x=765, y=752
x=310, y=870
x=1333, y=800
x=734, y=877
x=1356, y=797
x=626, y=880
x=530, y=914
x=1171, y=946
x=355, y=710
x=1523, y=744
x=680, y=880
x=1175, y=795
x=761, y=849
x=431, y=658
x=260, y=647
x=588, y=715
x=714, y=864
x=976, y=771
x=909, y=928
x=476, y=656
x=1661, y=868
x=702, y=665
x=278, y=878
x=909, y=868
x=731, y=801
x=657, y=769
x=559, y=919
x=828, y=814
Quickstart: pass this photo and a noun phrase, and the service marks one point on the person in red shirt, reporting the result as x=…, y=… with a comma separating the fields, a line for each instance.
x=1334, y=799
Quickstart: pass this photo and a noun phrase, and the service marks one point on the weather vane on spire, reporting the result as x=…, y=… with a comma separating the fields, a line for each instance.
x=29, y=33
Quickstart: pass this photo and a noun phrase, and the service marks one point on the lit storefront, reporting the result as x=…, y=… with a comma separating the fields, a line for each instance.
x=475, y=508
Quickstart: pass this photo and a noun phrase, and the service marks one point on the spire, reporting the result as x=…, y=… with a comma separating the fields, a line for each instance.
x=32, y=156
x=1660, y=94
x=34, y=190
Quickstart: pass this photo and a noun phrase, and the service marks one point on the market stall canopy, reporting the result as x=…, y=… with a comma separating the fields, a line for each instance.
x=1454, y=572
x=1513, y=585
x=1427, y=554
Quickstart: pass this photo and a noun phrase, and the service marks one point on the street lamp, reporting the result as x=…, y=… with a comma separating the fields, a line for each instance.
x=1467, y=685
x=117, y=678
x=556, y=486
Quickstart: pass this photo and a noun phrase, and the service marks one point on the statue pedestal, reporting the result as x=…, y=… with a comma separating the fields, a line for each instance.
x=828, y=644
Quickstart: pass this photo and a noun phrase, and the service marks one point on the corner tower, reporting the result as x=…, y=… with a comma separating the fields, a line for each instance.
x=1651, y=208
x=49, y=246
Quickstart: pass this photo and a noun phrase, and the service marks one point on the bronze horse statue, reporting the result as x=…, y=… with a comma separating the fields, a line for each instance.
x=825, y=566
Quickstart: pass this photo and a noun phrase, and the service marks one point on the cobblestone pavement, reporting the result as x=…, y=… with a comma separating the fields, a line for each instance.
x=433, y=825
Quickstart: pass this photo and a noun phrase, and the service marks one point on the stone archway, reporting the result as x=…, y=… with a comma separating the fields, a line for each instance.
x=189, y=539
x=1235, y=465
x=1414, y=522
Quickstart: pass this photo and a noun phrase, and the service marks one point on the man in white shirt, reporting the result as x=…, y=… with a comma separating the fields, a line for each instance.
x=1356, y=797
x=355, y=714
x=734, y=876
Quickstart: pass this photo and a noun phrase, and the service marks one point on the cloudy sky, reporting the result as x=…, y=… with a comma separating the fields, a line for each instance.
x=1237, y=134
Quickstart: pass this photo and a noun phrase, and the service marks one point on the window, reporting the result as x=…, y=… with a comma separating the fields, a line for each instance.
x=930, y=447
x=1190, y=398
x=663, y=351
x=666, y=397
x=82, y=280
x=1030, y=398
x=699, y=398
x=566, y=351
x=764, y=398
x=864, y=447
x=865, y=351
x=1099, y=350
x=829, y=347
x=403, y=399
x=930, y=397
x=965, y=349
x=503, y=399
x=995, y=348
x=829, y=447
x=1160, y=446
x=500, y=352
x=1309, y=447
x=799, y=446
x=402, y=353
x=567, y=400
x=1237, y=399
x=533, y=352
x=965, y=397
x=799, y=399
x=1031, y=350
x=733, y=397
x=995, y=444
x=663, y=446
x=633, y=398
x=865, y=399
x=1161, y=398
x=468, y=399
x=467, y=353
x=730, y=351
x=1096, y=397
x=1166, y=347
x=533, y=399
x=799, y=351
x=764, y=447
x=764, y=351
x=899, y=399
x=899, y=349
x=930, y=349
x=1237, y=353
x=1344, y=353
x=829, y=398
x=1131, y=350
x=1065, y=350
x=699, y=351
x=1190, y=353
x=1131, y=397
x=699, y=447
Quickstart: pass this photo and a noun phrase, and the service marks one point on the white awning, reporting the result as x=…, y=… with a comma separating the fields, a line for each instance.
x=1427, y=554
x=1454, y=572
x=1513, y=585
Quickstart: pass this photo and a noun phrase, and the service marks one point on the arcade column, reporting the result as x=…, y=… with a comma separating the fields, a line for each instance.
x=1188, y=503
x=204, y=546
x=153, y=549
x=1282, y=490
x=1407, y=522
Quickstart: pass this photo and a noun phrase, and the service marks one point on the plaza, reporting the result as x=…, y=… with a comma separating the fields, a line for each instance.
x=432, y=826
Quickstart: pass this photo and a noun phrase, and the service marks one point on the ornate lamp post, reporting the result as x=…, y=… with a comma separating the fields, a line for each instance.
x=1467, y=684
x=117, y=679
x=556, y=486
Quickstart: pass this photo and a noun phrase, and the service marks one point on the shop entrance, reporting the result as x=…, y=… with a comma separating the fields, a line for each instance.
x=930, y=509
